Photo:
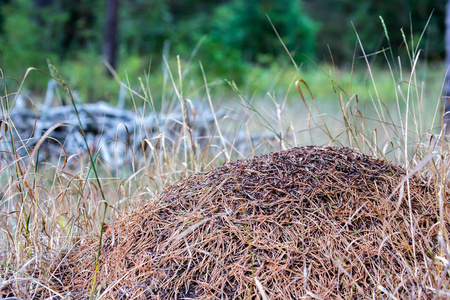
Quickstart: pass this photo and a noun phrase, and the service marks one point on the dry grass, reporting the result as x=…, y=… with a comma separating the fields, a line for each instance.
x=312, y=222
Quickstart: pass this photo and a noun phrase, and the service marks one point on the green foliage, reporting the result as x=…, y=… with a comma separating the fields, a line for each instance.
x=229, y=37
x=237, y=35
x=32, y=34
x=244, y=25
x=336, y=31
x=21, y=44
x=86, y=75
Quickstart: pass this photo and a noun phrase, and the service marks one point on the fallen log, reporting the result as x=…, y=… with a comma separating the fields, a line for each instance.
x=115, y=132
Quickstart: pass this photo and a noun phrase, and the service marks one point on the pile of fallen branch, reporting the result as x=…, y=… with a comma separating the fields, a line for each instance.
x=116, y=133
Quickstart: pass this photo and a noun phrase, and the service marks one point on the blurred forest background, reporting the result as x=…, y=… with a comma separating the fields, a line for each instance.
x=231, y=38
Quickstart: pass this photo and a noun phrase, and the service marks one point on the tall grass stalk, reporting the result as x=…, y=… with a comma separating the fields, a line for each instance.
x=92, y=167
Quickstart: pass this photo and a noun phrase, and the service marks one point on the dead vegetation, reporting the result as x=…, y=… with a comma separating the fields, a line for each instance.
x=314, y=222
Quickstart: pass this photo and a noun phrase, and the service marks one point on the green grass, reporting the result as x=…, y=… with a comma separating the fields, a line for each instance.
x=86, y=75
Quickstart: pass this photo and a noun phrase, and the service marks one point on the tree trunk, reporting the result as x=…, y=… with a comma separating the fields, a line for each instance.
x=446, y=91
x=111, y=33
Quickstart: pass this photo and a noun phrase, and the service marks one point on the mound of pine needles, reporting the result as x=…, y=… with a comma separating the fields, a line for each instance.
x=314, y=222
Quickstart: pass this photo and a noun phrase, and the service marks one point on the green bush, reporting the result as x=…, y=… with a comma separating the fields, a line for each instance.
x=21, y=44
x=244, y=26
